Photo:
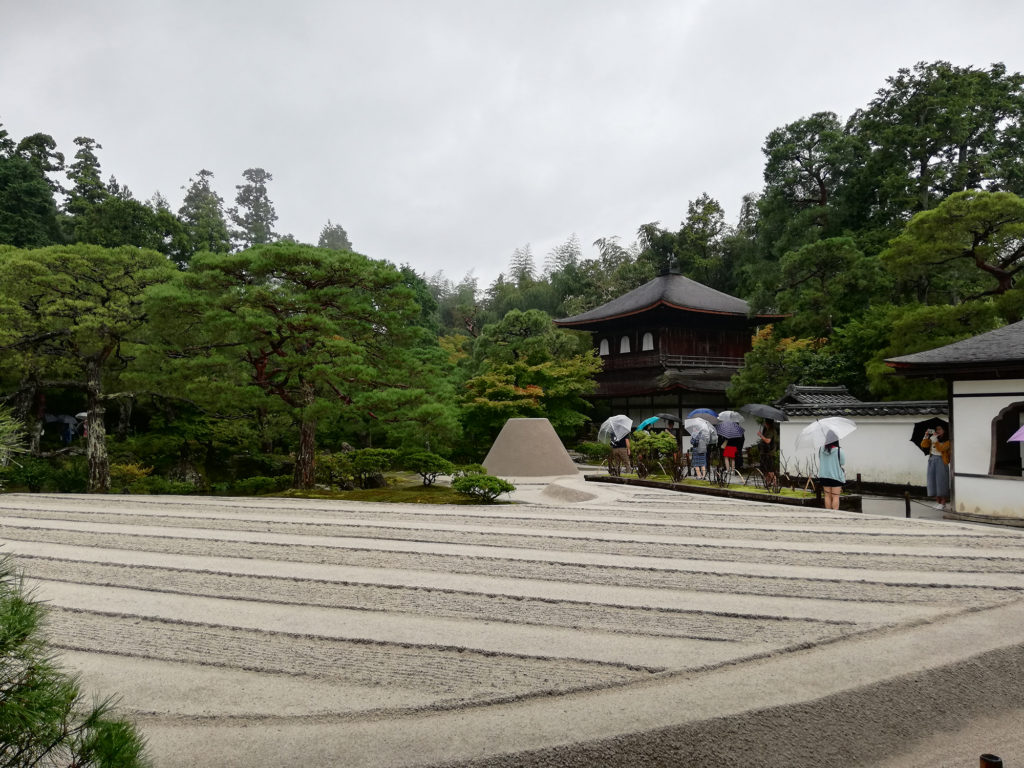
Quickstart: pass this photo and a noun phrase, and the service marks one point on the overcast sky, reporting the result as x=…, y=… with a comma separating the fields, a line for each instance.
x=444, y=134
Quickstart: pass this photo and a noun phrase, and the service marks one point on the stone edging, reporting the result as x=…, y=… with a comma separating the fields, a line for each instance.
x=847, y=502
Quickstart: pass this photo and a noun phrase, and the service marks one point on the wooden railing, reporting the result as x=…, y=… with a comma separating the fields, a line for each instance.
x=622, y=362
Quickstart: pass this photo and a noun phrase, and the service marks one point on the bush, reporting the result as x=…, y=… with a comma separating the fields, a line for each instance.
x=593, y=453
x=650, y=450
x=484, y=487
x=427, y=465
x=259, y=485
x=71, y=475
x=161, y=486
x=468, y=470
x=43, y=717
x=123, y=476
x=30, y=473
x=369, y=465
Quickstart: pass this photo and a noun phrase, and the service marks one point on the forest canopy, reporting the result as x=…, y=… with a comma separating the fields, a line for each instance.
x=209, y=343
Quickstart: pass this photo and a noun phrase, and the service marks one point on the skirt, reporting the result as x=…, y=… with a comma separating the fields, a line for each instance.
x=938, y=477
x=699, y=460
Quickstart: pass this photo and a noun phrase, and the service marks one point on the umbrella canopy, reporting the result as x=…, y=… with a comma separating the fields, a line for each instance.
x=734, y=416
x=614, y=428
x=703, y=413
x=825, y=431
x=63, y=418
x=764, y=411
x=698, y=426
x=646, y=423
x=1017, y=437
x=670, y=417
x=920, y=427
x=729, y=429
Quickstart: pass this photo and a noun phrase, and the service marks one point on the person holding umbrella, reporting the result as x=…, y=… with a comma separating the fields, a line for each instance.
x=831, y=470
x=937, y=442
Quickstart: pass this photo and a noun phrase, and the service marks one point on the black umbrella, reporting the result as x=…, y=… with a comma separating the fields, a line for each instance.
x=764, y=411
x=670, y=417
x=917, y=435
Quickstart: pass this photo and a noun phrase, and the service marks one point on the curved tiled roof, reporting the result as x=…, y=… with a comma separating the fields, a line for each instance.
x=1001, y=347
x=671, y=290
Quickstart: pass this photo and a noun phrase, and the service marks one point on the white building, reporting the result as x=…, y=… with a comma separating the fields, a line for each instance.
x=985, y=376
x=880, y=450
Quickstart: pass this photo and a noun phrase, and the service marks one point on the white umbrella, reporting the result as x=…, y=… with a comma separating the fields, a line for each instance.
x=734, y=416
x=824, y=431
x=614, y=428
x=698, y=425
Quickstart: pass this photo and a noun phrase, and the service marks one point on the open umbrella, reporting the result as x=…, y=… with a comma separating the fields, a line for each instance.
x=703, y=413
x=729, y=429
x=670, y=417
x=646, y=423
x=824, y=431
x=920, y=427
x=614, y=428
x=764, y=411
x=696, y=426
x=733, y=416
x=1017, y=437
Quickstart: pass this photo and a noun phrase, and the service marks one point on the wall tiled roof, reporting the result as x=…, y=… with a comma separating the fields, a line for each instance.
x=837, y=401
x=995, y=351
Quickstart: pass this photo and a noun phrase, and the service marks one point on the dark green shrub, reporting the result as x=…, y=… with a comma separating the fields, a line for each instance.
x=427, y=465
x=161, y=486
x=30, y=473
x=71, y=475
x=483, y=487
x=259, y=485
x=370, y=464
x=44, y=716
x=592, y=452
x=651, y=451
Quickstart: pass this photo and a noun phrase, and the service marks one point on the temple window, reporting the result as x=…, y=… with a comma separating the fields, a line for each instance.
x=1007, y=457
x=603, y=348
x=624, y=344
x=647, y=345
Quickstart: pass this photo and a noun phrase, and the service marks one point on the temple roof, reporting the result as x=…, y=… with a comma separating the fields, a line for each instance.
x=997, y=352
x=837, y=401
x=671, y=290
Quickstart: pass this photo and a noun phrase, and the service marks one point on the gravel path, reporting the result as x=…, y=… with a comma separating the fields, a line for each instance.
x=538, y=633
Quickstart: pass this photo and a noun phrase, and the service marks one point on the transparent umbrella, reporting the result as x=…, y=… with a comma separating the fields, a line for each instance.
x=824, y=431
x=614, y=428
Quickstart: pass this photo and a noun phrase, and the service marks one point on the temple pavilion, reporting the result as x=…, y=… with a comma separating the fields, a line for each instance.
x=670, y=345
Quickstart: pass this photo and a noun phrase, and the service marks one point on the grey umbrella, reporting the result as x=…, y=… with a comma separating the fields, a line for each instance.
x=764, y=411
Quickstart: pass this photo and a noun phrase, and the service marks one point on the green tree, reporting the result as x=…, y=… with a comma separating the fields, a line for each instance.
x=87, y=187
x=970, y=245
x=319, y=334
x=28, y=212
x=825, y=283
x=253, y=214
x=202, y=216
x=937, y=129
x=334, y=237
x=71, y=315
x=44, y=718
x=700, y=241
x=523, y=366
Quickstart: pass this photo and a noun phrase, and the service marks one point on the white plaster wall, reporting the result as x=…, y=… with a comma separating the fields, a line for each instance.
x=879, y=449
x=975, y=405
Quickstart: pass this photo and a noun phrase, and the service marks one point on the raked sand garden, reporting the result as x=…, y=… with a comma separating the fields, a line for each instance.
x=583, y=625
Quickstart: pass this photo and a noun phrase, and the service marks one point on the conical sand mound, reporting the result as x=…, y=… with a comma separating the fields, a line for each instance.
x=528, y=448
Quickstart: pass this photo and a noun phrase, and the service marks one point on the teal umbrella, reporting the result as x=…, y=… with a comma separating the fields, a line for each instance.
x=647, y=422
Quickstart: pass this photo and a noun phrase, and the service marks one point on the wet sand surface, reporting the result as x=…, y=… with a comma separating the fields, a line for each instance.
x=586, y=624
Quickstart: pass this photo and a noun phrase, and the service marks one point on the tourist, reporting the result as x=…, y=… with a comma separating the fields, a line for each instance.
x=699, y=452
x=620, y=455
x=831, y=473
x=768, y=451
x=938, y=443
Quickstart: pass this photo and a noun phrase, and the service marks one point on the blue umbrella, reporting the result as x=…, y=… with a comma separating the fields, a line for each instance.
x=647, y=422
x=704, y=413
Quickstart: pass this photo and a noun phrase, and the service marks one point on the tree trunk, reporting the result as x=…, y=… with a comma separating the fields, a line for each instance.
x=124, y=419
x=96, y=437
x=305, y=459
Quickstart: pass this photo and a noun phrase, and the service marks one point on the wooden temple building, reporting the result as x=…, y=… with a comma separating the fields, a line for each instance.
x=670, y=345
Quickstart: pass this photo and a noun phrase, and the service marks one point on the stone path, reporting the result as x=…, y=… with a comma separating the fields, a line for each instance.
x=624, y=627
